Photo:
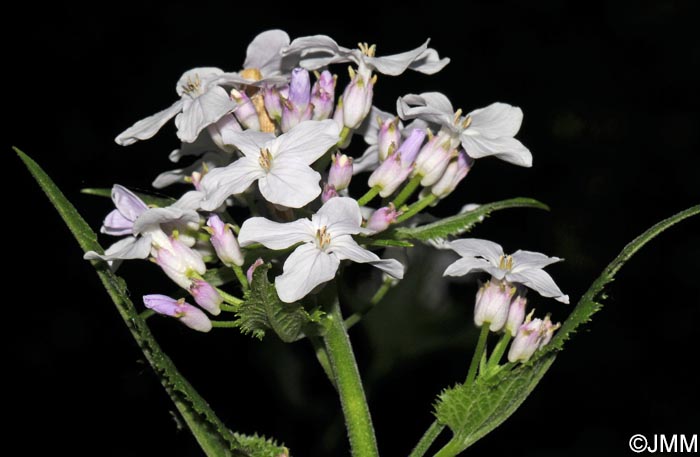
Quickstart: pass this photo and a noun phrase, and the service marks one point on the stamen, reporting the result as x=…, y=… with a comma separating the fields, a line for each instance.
x=323, y=237
x=265, y=159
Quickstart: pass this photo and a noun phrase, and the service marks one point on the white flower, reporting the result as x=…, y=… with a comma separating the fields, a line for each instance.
x=144, y=225
x=484, y=132
x=320, y=51
x=280, y=165
x=202, y=99
x=326, y=240
x=522, y=267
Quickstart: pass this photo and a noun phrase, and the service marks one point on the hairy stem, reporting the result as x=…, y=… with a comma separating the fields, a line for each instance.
x=416, y=208
x=347, y=380
x=498, y=351
x=427, y=440
x=478, y=352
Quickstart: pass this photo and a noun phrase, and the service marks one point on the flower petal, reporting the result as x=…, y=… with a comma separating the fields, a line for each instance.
x=474, y=247
x=146, y=128
x=275, y=235
x=127, y=248
x=344, y=247
x=496, y=120
x=465, y=266
x=505, y=148
x=369, y=161
x=430, y=106
x=249, y=142
x=220, y=183
x=525, y=260
x=117, y=225
x=429, y=62
x=127, y=202
x=420, y=59
x=290, y=183
x=200, y=77
x=306, y=142
x=264, y=52
x=340, y=216
x=317, y=51
x=304, y=269
x=210, y=161
x=201, y=112
x=539, y=281
x=155, y=217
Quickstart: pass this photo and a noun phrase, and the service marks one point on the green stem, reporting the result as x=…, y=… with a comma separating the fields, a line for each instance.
x=480, y=346
x=229, y=308
x=427, y=440
x=366, y=198
x=376, y=298
x=416, y=208
x=145, y=314
x=407, y=191
x=228, y=298
x=498, y=351
x=241, y=277
x=343, y=137
x=347, y=379
x=322, y=356
x=224, y=324
x=450, y=449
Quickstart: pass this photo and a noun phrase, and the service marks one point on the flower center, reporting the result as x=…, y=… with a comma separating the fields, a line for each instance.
x=193, y=86
x=265, y=159
x=367, y=50
x=505, y=262
x=323, y=237
x=253, y=74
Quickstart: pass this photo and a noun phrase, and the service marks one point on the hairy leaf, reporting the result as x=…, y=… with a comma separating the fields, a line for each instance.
x=263, y=311
x=259, y=446
x=149, y=199
x=461, y=223
x=472, y=411
x=211, y=434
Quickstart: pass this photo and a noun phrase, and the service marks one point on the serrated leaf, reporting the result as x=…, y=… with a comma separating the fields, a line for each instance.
x=259, y=446
x=461, y=223
x=473, y=411
x=211, y=434
x=149, y=199
x=263, y=311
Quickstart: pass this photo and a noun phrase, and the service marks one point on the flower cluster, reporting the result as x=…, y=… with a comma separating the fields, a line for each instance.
x=273, y=174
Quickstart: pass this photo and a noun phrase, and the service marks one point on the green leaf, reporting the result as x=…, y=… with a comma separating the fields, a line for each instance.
x=263, y=310
x=259, y=446
x=461, y=223
x=149, y=199
x=472, y=411
x=211, y=434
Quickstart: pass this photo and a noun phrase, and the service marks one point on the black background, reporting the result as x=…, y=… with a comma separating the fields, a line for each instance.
x=609, y=91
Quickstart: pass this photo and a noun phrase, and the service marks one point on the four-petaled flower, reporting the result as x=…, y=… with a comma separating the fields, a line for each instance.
x=280, y=165
x=521, y=267
x=326, y=240
x=484, y=132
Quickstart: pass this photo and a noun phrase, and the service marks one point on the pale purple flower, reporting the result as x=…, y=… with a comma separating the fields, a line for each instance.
x=521, y=267
x=224, y=241
x=328, y=193
x=397, y=167
x=323, y=95
x=340, y=173
x=280, y=165
x=180, y=262
x=326, y=240
x=297, y=107
x=483, y=132
x=455, y=172
x=357, y=98
x=206, y=296
x=382, y=218
x=189, y=315
x=273, y=102
x=433, y=159
x=531, y=336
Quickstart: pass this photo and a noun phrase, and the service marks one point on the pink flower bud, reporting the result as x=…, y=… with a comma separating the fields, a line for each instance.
x=531, y=336
x=410, y=148
x=328, y=193
x=245, y=112
x=382, y=218
x=433, y=159
x=388, y=138
x=206, y=296
x=493, y=304
x=189, y=315
x=296, y=108
x=389, y=175
x=455, y=172
x=178, y=261
x=357, y=98
x=340, y=173
x=251, y=270
x=323, y=96
x=273, y=102
x=516, y=315
x=224, y=241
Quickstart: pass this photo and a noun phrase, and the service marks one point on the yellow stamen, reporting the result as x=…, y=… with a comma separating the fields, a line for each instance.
x=323, y=237
x=265, y=159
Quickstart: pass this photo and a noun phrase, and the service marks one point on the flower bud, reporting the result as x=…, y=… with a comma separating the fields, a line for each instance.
x=357, y=98
x=224, y=241
x=328, y=193
x=340, y=173
x=273, y=102
x=323, y=95
x=382, y=218
x=178, y=261
x=453, y=175
x=251, y=269
x=549, y=329
x=388, y=138
x=433, y=159
x=245, y=112
x=493, y=304
x=527, y=340
x=296, y=107
x=192, y=317
x=389, y=175
x=410, y=148
x=206, y=296
x=516, y=315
